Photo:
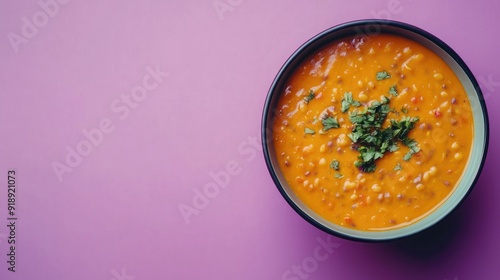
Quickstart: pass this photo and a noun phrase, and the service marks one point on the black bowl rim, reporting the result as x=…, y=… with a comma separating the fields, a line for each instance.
x=363, y=23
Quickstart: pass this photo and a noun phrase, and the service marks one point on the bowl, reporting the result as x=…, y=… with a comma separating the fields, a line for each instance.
x=368, y=28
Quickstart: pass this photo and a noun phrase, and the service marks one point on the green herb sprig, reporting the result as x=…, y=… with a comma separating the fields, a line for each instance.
x=309, y=131
x=309, y=97
x=348, y=101
x=373, y=141
x=382, y=75
x=329, y=123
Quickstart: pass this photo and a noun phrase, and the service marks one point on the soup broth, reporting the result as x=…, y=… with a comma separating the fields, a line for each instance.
x=373, y=132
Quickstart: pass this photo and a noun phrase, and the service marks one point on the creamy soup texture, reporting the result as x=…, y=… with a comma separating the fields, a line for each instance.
x=373, y=132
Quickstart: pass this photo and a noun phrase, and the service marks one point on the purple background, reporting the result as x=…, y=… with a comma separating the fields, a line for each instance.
x=117, y=213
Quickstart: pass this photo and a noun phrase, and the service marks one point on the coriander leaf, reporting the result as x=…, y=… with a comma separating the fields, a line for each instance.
x=373, y=139
x=345, y=106
x=347, y=101
x=414, y=148
x=382, y=75
x=329, y=123
x=384, y=146
x=378, y=155
x=309, y=131
x=309, y=97
x=385, y=100
x=338, y=175
x=368, y=167
x=404, y=110
x=393, y=91
x=367, y=154
x=398, y=167
x=412, y=144
x=407, y=157
x=403, y=127
x=335, y=164
x=393, y=147
x=356, y=117
x=355, y=136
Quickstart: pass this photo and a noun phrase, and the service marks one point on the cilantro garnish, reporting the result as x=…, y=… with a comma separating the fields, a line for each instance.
x=335, y=164
x=407, y=156
x=309, y=131
x=373, y=141
x=338, y=175
x=393, y=91
x=309, y=97
x=329, y=123
x=382, y=75
x=398, y=167
x=347, y=101
x=413, y=145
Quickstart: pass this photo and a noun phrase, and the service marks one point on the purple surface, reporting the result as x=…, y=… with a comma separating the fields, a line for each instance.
x=116, y=214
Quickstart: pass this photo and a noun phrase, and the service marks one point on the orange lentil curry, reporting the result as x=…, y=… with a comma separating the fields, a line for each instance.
x=373, y=132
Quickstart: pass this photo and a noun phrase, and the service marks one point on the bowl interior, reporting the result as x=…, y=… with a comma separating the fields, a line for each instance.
x=368, y=28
